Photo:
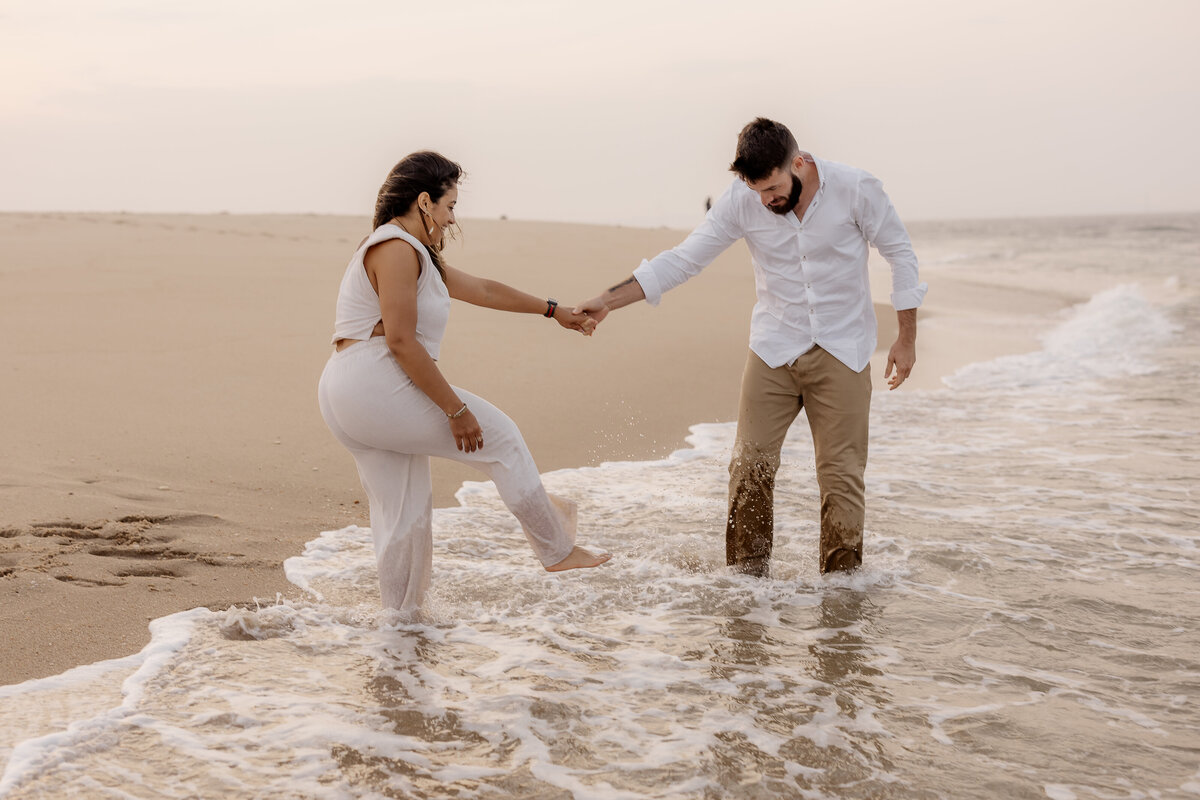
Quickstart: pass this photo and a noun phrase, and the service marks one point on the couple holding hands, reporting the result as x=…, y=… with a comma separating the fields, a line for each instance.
x=808, y=224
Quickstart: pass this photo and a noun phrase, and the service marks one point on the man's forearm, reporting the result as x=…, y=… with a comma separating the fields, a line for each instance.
x=624, y=293
x=907, y=320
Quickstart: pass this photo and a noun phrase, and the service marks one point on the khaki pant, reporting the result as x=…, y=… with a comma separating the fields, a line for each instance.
x=838, y=402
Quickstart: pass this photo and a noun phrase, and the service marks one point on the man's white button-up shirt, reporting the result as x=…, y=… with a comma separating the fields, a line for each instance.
x=810, y=275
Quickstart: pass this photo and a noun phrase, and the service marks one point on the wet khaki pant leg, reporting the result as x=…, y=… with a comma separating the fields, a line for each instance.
x=838, y=404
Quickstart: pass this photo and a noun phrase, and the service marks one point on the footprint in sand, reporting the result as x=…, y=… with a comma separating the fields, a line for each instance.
x=108, y=552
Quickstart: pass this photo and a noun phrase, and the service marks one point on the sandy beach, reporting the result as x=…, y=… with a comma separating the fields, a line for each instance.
x=161, y=444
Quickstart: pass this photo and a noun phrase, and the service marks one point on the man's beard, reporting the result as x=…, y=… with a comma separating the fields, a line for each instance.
x=792, y=199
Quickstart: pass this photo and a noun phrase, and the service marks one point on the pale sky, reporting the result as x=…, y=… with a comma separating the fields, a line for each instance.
x=609, y=112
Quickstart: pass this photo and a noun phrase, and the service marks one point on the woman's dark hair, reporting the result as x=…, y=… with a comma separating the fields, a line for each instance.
x=424, y=171
x=763, y=146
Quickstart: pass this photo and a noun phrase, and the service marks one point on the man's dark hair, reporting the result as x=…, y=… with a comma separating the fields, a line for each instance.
x=763, y=146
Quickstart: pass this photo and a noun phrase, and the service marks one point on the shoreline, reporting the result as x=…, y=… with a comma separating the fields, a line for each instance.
x=171, y=454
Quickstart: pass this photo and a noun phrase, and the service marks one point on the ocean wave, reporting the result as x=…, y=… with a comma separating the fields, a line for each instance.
x=1113, y=334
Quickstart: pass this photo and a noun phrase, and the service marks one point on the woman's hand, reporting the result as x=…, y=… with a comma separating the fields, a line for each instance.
x=468, y=436
x=575, y=320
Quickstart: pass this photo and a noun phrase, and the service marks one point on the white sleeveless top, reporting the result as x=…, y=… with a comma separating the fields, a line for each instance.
x=358, y=304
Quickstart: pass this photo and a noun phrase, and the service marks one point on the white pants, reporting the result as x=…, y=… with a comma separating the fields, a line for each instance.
x=392, y=428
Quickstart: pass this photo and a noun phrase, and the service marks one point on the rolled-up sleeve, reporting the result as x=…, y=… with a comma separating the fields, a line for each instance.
x=672, y=267
x=881, y=225
x=648, y=280
x=910, y=298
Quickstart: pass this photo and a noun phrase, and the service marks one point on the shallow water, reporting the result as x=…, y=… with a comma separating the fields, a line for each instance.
x=1025, y=624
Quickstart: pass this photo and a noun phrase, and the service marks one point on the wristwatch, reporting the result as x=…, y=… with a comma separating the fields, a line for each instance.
x=550, y=306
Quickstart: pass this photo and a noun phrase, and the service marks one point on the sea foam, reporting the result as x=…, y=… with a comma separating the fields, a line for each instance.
x=1111, y=335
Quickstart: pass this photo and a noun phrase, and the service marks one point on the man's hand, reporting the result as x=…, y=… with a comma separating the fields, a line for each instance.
x=626, y=292
x=594, y=310
x=903, y=355
x=901, y=359
x=576, y=320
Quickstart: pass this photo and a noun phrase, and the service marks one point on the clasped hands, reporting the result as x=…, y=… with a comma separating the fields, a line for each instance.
x=583, y=317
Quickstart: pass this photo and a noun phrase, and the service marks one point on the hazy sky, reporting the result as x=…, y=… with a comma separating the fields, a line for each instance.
x=607, y=112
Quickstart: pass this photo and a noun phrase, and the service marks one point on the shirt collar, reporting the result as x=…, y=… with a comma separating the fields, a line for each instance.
x=820, y=165
x=790, y=218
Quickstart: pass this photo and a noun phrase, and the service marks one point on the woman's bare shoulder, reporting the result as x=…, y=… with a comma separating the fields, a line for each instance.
x=392, y=252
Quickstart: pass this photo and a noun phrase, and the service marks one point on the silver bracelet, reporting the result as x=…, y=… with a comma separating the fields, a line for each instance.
x=458, y=413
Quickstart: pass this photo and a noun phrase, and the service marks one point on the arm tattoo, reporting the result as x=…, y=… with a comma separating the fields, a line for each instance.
x=625, y=282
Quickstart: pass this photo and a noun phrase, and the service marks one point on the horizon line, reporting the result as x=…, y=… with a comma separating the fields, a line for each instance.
x=522, y=220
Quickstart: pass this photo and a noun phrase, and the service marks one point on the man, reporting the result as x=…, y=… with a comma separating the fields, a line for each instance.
x=808, y=223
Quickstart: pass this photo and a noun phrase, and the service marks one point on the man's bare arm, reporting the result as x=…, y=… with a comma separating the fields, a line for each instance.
x=903, y=355
x=625, y=293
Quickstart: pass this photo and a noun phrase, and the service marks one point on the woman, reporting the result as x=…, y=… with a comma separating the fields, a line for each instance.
x=385, y=399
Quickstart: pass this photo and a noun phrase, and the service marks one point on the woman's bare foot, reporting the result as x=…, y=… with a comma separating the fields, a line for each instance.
x=579, y=558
